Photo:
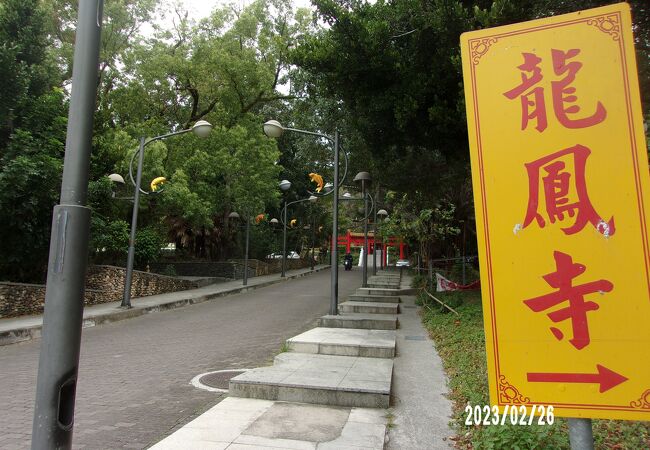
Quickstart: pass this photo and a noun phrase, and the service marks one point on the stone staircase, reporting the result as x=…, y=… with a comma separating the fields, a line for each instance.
x=346, y=361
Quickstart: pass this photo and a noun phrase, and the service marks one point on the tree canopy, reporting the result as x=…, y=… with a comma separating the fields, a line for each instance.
x=386, y=75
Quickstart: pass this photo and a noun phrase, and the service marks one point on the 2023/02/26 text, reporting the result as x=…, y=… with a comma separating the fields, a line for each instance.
x=512, y=414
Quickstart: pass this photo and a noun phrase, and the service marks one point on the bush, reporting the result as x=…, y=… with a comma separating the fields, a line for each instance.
x=453, y=299
x=109, y=241
x=419, y=281
x=169, y=270
x=456, y=273
x=147, y=246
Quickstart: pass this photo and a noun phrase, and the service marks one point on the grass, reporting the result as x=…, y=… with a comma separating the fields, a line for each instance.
x=390, y=417
x=460, y=342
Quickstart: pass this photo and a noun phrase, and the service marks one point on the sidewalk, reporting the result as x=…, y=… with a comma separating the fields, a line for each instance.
x=421, y=410
x=25, y=328
x=294, y=405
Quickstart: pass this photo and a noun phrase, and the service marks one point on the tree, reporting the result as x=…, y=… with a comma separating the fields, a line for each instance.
x=393, y=70
x=227, y=69
x=32, y=135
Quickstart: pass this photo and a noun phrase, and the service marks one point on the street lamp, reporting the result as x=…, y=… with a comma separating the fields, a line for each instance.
x=202, y=129
x=274, y=129
x=116, y=178
x=382, y=213
x=285, y=185
x=311, y=199
x=364, y=177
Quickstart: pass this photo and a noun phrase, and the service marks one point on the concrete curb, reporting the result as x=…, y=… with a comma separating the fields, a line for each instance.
x=23, y=334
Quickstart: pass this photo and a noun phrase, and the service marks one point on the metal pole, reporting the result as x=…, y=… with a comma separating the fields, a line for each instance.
x=430, y=274
x=334, y=300
x=365, y=235
x=313, y=239
x=248, y=227
x=580, y=434
x=374, y=242
x=126, y=298
x=284, y=240
x=58, y=364
x=464, y=277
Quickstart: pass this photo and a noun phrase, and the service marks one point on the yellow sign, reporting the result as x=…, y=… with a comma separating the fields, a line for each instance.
x=560, y=176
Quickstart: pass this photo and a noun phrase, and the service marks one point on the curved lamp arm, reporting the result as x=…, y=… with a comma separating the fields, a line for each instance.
x=342, y=179
x=292, y=203
x=141, y=148
x=332, y=141
x=370, y=210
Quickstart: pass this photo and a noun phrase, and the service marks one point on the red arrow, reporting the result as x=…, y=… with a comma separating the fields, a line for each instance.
x=605, y=377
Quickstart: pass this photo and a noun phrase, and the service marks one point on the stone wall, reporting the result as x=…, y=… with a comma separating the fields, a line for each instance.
x=103, y=284
x=232, y=269
x=222, y=269
x=256, y=268
x=275, y=265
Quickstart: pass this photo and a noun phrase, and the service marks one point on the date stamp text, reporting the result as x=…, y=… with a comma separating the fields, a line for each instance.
x=511, y=414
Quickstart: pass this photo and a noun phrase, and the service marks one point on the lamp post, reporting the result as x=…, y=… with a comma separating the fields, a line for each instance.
x=364, y=177
x=313, y=239
x=274, y=129
x=234, y=215
x=382, y=213
x=58, y=363
x=284, y=186
x=312, y=228
x=312, y=199
x=201, y=129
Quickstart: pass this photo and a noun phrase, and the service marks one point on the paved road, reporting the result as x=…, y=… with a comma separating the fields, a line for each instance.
x=134, y=375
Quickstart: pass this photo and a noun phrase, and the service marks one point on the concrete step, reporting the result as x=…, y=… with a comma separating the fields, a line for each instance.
x=369, y=307
x=360, y=321
x=374, y=298
x=385, y=277
x=252, y=424
x=378, y=291
x=321, y=379
x=383, y=285
x=345, y=342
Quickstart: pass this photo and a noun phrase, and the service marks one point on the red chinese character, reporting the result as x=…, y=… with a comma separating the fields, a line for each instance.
x=558, y=186
x=563, y=92
x=533, y=105
x=533, y=99
x=562, y=280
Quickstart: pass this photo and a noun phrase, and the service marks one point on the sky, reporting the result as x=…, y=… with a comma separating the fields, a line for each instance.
x=202, y=8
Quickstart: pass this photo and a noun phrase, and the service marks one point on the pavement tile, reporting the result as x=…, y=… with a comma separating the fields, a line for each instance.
x=287, y=444
x=181, y=443
x=250, y=447
x=243, y=404
x=368, y=415
x=189, y=436
x=362, y=435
